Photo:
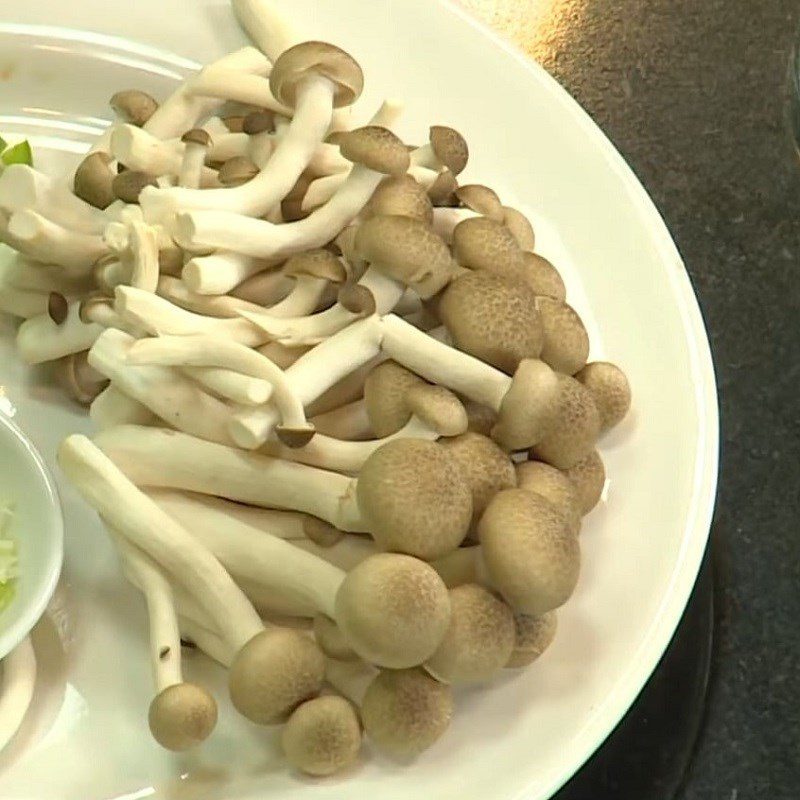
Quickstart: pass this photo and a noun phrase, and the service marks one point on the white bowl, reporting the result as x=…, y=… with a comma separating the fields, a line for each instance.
x=38, y=528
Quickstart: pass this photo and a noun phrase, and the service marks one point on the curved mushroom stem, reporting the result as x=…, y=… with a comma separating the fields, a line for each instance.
x=220, y=272
x=238, y=87
x=39, y=339
x=303, y=299
x=113, y=407
x=210, y=642
x=266, y=25
x=219, y=306
x=16, y=689
x=230, y=385
x=349, y=421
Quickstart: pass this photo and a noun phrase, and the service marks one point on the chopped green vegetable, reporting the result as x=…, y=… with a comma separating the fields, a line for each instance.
x=3, y=144
x=8, y=558
x=18, y=154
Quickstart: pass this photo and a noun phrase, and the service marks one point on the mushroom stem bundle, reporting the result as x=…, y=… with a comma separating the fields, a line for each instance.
x=40, y=339
x=220, y=272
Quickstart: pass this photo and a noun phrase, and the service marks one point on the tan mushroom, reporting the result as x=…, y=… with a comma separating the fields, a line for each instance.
x=543, y=278
x=259, y=126
x=331, y=640
x=481, y=199
x=589, y=477
x=520, y=227
x=237, y=171
x=134, y=106
x=196, y=145
x=553, y=485
x=566, y=342
x=93, y=180
x=128, y=185
x=182, y=716
x=442, y=192
x=533, y=636
x=446, y=148
x=610, y=390
x=401, y=195
x=376, y=148
x=483, y=243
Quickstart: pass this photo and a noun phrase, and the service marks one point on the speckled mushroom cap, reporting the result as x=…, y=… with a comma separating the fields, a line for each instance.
x=553, y=485
x=479, y=640
x=93, y=180
x=256, y=122
x=414, y=499
x=406, y=711
x=450, y=148
x=442, y=192
x=589, y=477
x=492, y=318
x=182, y=716
x=376, y=148
x=128, y=185
x=480, y=418
x=134, y=106
x=236, y=171
x=531, y=557
x=574, y=433
x=273, y=673
x=566, y=342
x=407, y=250
x=543, y=278
x=533, y=636
x=610, y=390
x=296, y=63
x=439, y=408
x=322, y=736
x=482, y=200
x=385, y=392
x=520, y=227
x=486, y=468
x=529, y=408
x=483, y=243
x=320, y=263
x=197, y=136
x=393, y=609
x=401, y=195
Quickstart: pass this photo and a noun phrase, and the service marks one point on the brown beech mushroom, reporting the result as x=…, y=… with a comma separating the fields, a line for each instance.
x=196, y=145
x=377, y=149
x=492, y=318
x=128, y=185
x=589, y=477
x=481, y=199
x=442, y=192
x=531, y=557
x=483, y=243
x=566, y=342
x=575, y=430
x=182, y=716
x=446, y=149
x=237, y=171
x=479, y=641
x=553, y=485
x=520, y=227
x=93, y=180
x=134, y=106
x=533, y=636
x=543, y=278
x=610, y=390
x=401, y=195
x=322, y=736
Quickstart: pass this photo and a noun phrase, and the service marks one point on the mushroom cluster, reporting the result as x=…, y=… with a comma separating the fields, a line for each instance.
x=346, y=422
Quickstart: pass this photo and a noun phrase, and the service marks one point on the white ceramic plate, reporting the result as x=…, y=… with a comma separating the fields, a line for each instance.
x=526, y=735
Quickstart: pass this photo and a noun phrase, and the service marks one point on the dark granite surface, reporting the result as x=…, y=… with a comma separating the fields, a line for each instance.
x=692, y=92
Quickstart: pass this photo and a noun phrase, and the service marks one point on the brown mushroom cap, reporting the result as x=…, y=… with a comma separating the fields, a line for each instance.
x=182, y=716
x=57, y=307
x=322, y=736
x=566, y=342
x=393, y=609
x=134, y=106
x=331, y=640
x=485, y=467
x=93, y=180
x=531, y=557
x=483, y=243
x=261, y=121
x=377, y=149
x=236, y=171
x=542, y=276
x=480, y=418
x=479, y=640
x=273, y=673
x=533, y=636
x=321, y=532
x=294, y=65
x=438, y=408
x=576, y=428
x=610, y=390
x=320, y=263
x=520, y=227
x=553, y=485
x=197, y=136
x=296, y=436
x=407, y=250
x=414, y=499
x=80, y=380
x=406, y=711
x=589, y=477
x=492, y=318
x=128, y=185
x=357, y=299
x=530, y=406
x=234, y=123
x=442, y=192
x=450, y=148
x=402, y=196
x=385, y=391
x=482, y=200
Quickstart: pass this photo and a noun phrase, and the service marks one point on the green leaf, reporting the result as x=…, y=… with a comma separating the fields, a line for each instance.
x=18, y=154
x=3, y=144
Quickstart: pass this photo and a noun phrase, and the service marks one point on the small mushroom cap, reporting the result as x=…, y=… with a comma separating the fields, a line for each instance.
x=236, y=171
x=589, y=477
x=197, y=136
x=256, y=122
x=480, y=418
x=531, y=557
x=529, y=408
x=533, y=636
x=576, y=427
x=234, y=123
x=134, y=106
x=321, y=532
x=331, y=640
x=414, y=499
x=294, y=65
x=93, y=179
x=479, y=640
x=393, y=609
x=385, y=391
x=376, y=148
x=357, y=299
x=492, y=318
x=182, y=716
x=520, y=227
x=128, y=185
x=450, y=148
x=566, y=342
x=610, y=390
x=438, y=408
x=406, y=711
x=170, y=261
x=481, y=199
x=57, y=307
x=485, y=467
x=407, y=250
x=483, y=243
x=320, y=263
x=346, y=242
x=295, y=437
x=442, y=192
x=553, y=485
x=80, y=380
x=273, y=673
x=322, y=736
x=401, y=195
x=542, y=276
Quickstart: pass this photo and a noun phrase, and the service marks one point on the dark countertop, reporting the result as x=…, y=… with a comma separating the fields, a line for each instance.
x=693, y=95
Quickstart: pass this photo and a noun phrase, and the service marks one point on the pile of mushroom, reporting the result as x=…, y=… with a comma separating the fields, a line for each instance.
x=329, y=382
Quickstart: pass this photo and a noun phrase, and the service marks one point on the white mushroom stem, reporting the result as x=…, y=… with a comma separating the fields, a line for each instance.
x=446, y=219
x=113, y=407
x=170, y=395
x=209, y=642
x=24, y=188
x=208, y=351
x=23, y=273
x=281, y=355
x=230, y=385
x=169, y=459
x=426, y=157
x=351, y=678
x=135, y=516
x=111, y=274
x=266, y=24
x=238, y=87
x=228, y=145
x=321, y=190
x=328, y=160
x=349, y=421
x=220, y=272
x=17, y=682
x=39, y=339
x=46, y=241
x=303, y=299
x=422, y=175
x=23, y=303
x=220, y=306
x=144, y=252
